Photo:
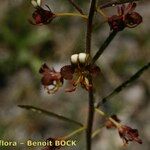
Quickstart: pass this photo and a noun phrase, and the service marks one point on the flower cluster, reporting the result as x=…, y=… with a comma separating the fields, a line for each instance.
x=40, y=15
x=79, y=70
x=126, y=17
x=126, y=133
x=76, y=73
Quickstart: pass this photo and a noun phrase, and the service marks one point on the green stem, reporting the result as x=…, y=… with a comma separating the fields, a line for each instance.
x=71, y=14
x=96, y=132
x=105, y=115
x=74, y=133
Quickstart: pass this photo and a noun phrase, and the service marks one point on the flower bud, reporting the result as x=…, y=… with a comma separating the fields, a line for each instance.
x=83, y=58
x=74, y=58
x=36, y=3
x=133, y=19
x=39, y=2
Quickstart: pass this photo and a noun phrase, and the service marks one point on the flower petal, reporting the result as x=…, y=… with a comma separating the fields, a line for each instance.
x=94, y=70
x=67, y=72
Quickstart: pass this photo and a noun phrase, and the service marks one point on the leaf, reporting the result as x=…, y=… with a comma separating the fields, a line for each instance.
x=50, y=114
x=124, y=84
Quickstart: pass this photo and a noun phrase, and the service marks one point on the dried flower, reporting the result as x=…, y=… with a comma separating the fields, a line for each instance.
x=51, y=79
x=40, y=15
x=128, y=134
x=126, y=17
x=79, y=71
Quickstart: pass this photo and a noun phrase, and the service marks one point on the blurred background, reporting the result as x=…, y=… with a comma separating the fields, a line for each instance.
x=25, y=47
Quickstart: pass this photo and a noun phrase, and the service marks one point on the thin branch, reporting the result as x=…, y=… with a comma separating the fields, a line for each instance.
x=71, y=14
x=79, y=130
x=104, y=46
x=91, y=96
x=124, y=84
x=76, y=6
x=115, y=2
x=51, y=114
x=90, y=118
x=97, y=131
x=89, y=26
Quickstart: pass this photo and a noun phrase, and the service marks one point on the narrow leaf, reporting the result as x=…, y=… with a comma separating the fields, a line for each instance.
x=124, y=84
x=50, y=114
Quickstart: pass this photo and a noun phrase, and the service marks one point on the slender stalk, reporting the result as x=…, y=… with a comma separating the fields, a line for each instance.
x=71, y=14
x=124, y=84
x=96, y=132
x=104, y=46
x=89, y=26
x=90, y=119
x=76, y=6
x=117, y=124
x=91, y=96
x=74, y=133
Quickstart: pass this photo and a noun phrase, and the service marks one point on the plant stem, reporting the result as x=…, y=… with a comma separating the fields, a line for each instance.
x=96, y=132
x=77, y=7
x=124, y=84
x=90, y=118
x=104, y=46
x=89, y=26
x=71, y=14
x=91, y=96
x=117, y=124
x=74, y=133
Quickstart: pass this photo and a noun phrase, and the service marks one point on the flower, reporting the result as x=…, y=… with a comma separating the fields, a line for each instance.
x=79, y=71
x=76, y=73
x=128, y=134
x=125, y=132
x=51, y=79
x=126, y=17
x=40, y=15
x=53, y=145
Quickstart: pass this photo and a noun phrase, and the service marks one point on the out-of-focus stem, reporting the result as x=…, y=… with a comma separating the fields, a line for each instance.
x=71, y=14
x=76, y=6
x=96, y=132
x=111, y=119
x=74, y=133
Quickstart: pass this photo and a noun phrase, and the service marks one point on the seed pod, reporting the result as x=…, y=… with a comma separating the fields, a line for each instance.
x=74, y=58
